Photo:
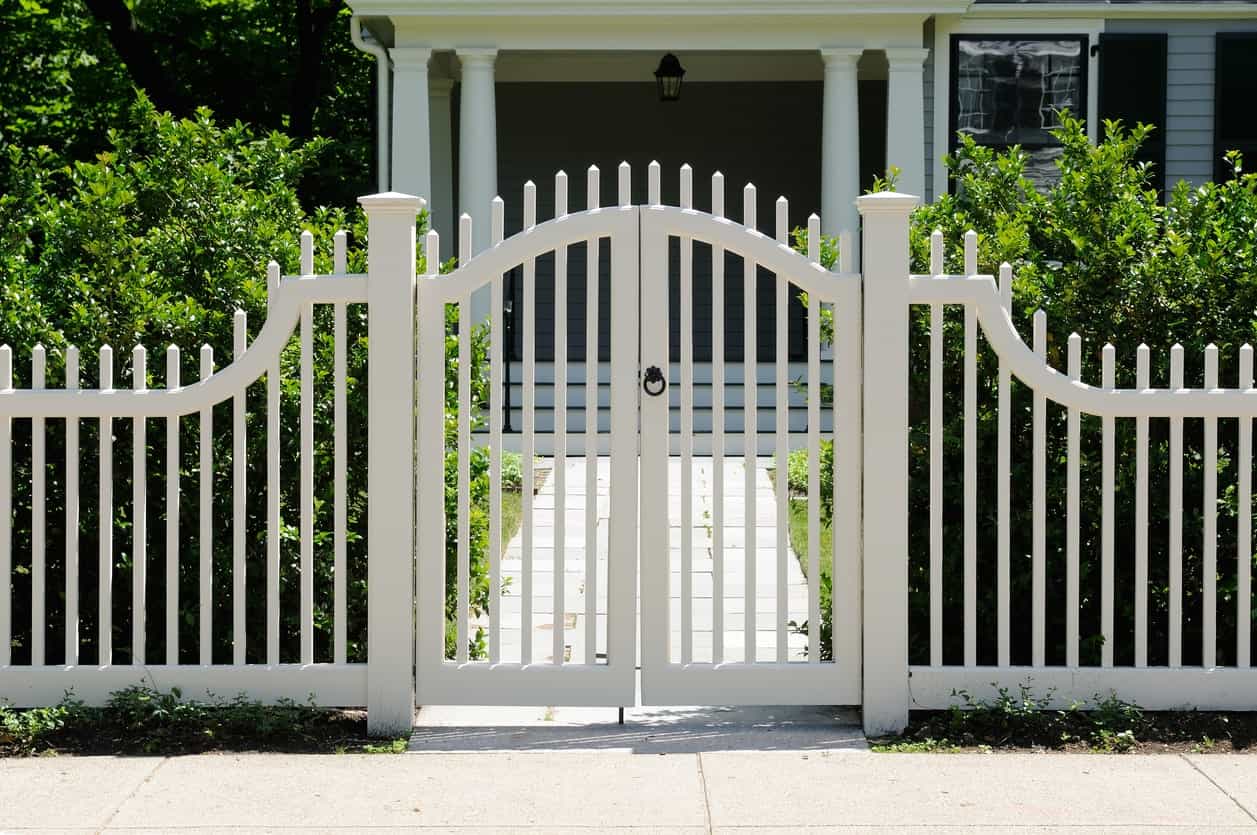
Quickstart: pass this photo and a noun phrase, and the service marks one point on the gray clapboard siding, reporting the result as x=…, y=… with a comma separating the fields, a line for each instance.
x=927, y=82
x=1189, y=111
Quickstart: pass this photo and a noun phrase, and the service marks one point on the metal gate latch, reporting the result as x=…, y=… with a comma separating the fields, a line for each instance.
x=654, y=382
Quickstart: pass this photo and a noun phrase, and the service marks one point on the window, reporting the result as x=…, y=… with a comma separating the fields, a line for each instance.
x=1009, y=90
x=1132, y=89
x=1235, y=88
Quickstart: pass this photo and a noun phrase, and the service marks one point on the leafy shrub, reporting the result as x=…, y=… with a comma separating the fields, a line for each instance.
x=158, y=241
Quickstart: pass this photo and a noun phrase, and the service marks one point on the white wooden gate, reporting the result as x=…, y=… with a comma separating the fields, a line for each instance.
x=719, y=647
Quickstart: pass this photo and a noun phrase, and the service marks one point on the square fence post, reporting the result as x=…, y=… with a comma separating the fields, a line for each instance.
x=390, y=461
x=885, y=695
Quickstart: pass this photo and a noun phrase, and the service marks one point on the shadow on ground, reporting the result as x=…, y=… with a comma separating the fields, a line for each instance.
x=674, y=730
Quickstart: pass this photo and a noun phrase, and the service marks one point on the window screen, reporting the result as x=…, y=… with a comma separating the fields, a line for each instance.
x=1009, y=90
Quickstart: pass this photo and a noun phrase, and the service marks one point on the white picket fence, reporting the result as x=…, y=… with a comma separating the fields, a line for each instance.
x=988, y=307
x=406, y=529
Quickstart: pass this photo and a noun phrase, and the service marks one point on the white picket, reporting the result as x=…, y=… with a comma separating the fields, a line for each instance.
x=1143, y=364
x=172, y=513
x=496, y=361
x=1176, y=515
x=71, y=515
x=1244, y=525
x=1108, y=357
x=6, y=511
x=936, y=459
x=104, y=511
x=139, y=514
x=1038, y=581
x=1209, y=602
x=1003, y=485
x=592, y=186
x=239, y=497
x=717, y=428
x=205, y=599
x=559, y=569
x=527, y=439
x=272, y=486
x=750, y=438
x=687, y=428
x=971, y=462
x=782, y=414
x=1072, y=521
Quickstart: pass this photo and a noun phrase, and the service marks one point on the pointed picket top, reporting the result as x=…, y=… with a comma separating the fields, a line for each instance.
x=307, y=253
x=71, y=367
x=207, y=361
x=1211, y=366
x=687, y=187
x=560, y=194
x=718, y=194
x=39, y=366
x=814, y=238
x=530, y=204
x=750, y=206
x=1143, y=366
x=464, y=239
x=432, y=252
x=139, y=368
x=1246, y=366
x=497, y=221
x=1006, y=286
x=971, y=252
x=272, y=282
x=1108, y=364
x=625, y=184
x=654, y=190
x=1075, y=356
x=6, y=367
x=1040, y=333
x=936, y=252
x=1176, y=366
x=172, y=366
x=593, y=188
x=340, y=252
x=782, y=220
x=240, y=333
x=106, y=368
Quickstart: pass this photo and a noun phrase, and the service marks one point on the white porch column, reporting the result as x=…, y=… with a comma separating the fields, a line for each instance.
x=441, y=206
x=840, y=142
x=477, y=142
x=412, y=154
x=905, y=117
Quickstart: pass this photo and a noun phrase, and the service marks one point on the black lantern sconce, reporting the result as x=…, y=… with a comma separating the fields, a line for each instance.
x=668, y=77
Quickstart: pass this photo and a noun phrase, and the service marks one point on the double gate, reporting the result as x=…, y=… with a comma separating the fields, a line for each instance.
x=671, y=560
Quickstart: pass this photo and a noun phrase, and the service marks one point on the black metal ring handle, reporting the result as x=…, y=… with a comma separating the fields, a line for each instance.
x=654, y=382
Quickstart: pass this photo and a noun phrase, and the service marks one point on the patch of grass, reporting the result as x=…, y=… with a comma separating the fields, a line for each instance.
x=922, y=746
x=798, y=538
x=512, y=516
x=1103, y=724
x=395, y=746
x=142, y=720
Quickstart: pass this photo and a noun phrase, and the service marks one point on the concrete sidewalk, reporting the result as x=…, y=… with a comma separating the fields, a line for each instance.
x=591, y=791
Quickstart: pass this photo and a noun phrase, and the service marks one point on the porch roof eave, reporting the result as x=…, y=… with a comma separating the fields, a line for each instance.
x=648, y=8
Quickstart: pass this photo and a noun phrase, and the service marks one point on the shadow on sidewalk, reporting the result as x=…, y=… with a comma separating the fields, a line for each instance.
x=674, y=730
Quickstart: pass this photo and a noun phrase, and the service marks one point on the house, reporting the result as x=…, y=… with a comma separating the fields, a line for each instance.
x=805, y=98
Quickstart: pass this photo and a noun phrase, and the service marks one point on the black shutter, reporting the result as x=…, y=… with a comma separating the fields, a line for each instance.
x=1235, y=87
x=1132, y=89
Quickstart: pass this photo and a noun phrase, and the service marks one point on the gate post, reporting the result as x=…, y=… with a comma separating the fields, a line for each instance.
x=390, y=461
x=885, y=695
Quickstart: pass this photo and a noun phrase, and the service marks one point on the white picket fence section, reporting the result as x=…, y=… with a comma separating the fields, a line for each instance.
x=332, y=681
x=987, y=305
x=868, y=660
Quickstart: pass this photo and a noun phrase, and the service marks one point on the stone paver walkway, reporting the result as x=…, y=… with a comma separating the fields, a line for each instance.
x=734, y=504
